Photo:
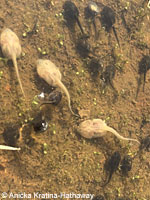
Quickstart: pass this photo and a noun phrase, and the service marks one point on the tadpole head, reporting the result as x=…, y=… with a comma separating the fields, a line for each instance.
x=92, y=9
x=145, y=143
x=55, y=97
x=108, y=18
x=144, y=65
x=71, y=12
x=113, y=162
x=126, y=164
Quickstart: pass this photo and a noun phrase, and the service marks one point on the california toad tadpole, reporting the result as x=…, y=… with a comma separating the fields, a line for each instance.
x=126, y=165
x=108, y=20
x=111, y=165
x=11, y=49
x=144, y=66
x=71, y=14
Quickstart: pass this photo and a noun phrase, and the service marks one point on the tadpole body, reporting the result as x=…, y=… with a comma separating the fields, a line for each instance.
x=51, y=74
x=91, y=11
x=71, y=14
x=144, y=66
x=108, y=75
x=108, y=20
x=111, y=165
x=126, y=165
x=11, y=49
x=98, y=128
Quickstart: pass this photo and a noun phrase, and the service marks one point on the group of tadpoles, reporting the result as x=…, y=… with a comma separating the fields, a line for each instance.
x=47, y=70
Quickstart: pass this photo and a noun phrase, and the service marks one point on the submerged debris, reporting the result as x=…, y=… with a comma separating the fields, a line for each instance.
x=145, y=144
x=11, y=135
x=98, y=128
x=111, y=165
x=39, y=123
x=4, y=147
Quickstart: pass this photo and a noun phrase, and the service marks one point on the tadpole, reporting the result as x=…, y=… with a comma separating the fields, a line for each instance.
x=108, y=75
x=111, y=165
x=144, y=66
x=91, y=12
x=145, y=144
x=71, y=14
x=108, y=20
x=126, y=165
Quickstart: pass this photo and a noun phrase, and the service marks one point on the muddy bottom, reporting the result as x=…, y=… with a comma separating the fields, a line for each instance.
x=59, y=161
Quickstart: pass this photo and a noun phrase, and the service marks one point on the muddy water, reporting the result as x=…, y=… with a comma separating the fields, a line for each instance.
x=71, y=163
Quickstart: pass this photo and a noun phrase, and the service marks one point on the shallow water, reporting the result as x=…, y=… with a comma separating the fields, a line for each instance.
x=73, y=164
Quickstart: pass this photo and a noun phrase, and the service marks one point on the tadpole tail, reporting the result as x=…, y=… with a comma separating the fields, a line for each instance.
x=107, y=181
x=95, y=29
x=115, y=33
x=79, y=24
x=62, y=86
x=17, y=72
x=119, y=136
x=144, y=81
x=139, y=85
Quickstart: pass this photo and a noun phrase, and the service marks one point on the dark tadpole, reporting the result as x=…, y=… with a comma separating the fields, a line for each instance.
x=84, y=48
x=11, y=135
x=71, y=14
x=107, y=77
x=108, y=20
x=126, y=165
x=111, y=165
x=144, y=66
x=124, y=20
x=145, y=144
x=91, y=12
